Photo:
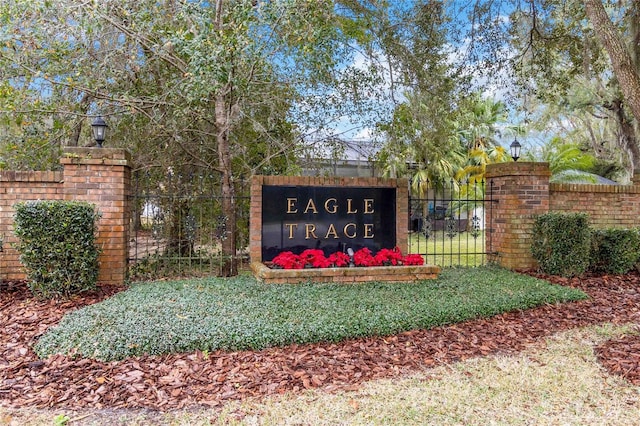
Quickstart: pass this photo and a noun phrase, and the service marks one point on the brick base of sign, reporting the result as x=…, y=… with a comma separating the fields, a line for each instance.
x=344, y=275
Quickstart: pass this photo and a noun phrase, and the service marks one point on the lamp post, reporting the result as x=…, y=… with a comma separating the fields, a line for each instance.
x=99, y=127
x=515, y=149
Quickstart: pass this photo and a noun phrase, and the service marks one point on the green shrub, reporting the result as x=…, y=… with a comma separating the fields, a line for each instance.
x=561, y=243
x=57, y=246
x=614, y=251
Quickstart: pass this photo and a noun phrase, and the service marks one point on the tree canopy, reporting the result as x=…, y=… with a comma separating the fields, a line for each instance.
x=239, y=87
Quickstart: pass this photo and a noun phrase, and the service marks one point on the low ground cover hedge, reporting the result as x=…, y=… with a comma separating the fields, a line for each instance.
x=235, y=314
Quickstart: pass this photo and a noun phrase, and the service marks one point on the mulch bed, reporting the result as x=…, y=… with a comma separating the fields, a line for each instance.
x=192, y=379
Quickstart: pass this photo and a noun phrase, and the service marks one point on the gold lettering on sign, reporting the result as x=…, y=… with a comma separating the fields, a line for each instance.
x=310, y=231
x=346, y=232
x=331, y=205
x=368, y=230
x=292, y=227
x=331, y=231
x=349, y=208
x=291, y=205
x=311, y=206
x=368, y=205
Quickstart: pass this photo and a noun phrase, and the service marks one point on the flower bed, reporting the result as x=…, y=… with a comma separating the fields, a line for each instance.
x=314, y=258
x=388, y=265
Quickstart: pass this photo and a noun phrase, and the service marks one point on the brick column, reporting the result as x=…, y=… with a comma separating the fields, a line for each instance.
x=520, y=192
x=255, y=220
x=102, y=176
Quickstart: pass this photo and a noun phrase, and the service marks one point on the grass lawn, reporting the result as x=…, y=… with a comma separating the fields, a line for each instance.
x=462, y=249
x=239, y=313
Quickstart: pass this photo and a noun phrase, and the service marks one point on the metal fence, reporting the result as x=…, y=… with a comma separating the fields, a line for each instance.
x=448, y=222
x=178, y=225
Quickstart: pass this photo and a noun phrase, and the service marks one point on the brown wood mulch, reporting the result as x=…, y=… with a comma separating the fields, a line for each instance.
x=192, y=379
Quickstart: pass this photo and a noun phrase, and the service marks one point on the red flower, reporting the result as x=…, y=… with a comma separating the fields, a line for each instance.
x=389, y=257
x=339, y=259
x=314, y=258
x=288, y=260
x=363, y=257
x=413, y=259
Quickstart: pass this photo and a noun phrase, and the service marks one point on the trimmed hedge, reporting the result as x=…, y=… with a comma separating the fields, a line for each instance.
x=57, y=246
x=614, y=251
x=561, y=243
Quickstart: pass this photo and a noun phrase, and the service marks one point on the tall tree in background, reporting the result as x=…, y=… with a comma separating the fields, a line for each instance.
x=213, y=85
x=420, y=137
x=479, y=129
x=567, y=83
x=624, y=68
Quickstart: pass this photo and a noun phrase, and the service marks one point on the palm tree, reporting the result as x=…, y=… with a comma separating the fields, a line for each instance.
x=478, y=132
x=567, y=162
x=421, y=144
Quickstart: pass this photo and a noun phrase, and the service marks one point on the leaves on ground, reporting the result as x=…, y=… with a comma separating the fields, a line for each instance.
x=181, y=380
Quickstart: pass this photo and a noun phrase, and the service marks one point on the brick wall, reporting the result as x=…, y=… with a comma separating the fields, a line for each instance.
x=522, y=191
x=18, y=186
x=402, y=208
x=100, y=176
x=608, y=206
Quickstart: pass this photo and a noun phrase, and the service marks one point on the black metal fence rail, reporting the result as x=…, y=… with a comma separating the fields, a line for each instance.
x=178, y=225
x=448, y=222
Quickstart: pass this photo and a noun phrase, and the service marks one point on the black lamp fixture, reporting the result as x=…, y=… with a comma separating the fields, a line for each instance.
x=99, y=127
x=515, y=149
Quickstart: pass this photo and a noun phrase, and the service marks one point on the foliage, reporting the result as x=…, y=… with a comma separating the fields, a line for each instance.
x=57, y=246
x=420, y=137
x=225, y=86
x=238, y=313
x=561, y=242
x=565, y=79
x=421, y=143
x=158, y=265
x=614, y=250
x=567, y=161
x=61, y=420
x=28, y=149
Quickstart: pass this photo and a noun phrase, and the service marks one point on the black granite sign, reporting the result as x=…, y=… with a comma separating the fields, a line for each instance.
x=295, y=218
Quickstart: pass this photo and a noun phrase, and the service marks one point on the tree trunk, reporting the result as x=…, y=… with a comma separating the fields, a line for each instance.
x=621, y=60
x=76, y=130
x=223, y=118
x=179, y=241
x=627, y=136
x=229, y=266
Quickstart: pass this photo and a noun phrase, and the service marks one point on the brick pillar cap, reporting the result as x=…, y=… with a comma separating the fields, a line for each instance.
x=96, y=153
x=518, y=168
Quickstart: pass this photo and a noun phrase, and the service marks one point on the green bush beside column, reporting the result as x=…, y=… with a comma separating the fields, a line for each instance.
x=615, y=250
x=57, y=245
x=561, y=243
